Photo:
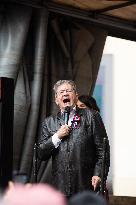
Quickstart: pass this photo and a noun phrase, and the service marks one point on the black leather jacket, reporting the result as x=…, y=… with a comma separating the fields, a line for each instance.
x=79, y=156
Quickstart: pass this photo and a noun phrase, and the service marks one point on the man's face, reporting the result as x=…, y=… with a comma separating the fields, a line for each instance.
x=65, y=96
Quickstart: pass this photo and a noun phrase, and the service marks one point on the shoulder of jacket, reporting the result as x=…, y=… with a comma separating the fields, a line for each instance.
x=89, y=111
x=49, y=118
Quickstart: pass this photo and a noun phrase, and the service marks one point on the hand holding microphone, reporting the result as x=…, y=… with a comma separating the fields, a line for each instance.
x=64, y=129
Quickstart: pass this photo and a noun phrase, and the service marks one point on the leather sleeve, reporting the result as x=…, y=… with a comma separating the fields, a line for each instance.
x=45, y=145
x=99, y=133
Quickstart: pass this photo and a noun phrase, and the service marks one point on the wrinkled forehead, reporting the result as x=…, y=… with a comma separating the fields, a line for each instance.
x=64, y=86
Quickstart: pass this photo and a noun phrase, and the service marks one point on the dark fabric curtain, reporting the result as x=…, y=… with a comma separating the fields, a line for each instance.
x=13, y=33
x=37, y=49
x=22, y=53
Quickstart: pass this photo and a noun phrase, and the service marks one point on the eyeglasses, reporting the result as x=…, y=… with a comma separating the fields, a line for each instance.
x=61, y=92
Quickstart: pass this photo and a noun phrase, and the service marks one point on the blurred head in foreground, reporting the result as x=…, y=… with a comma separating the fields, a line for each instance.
x=87, y=198
x=36, y=194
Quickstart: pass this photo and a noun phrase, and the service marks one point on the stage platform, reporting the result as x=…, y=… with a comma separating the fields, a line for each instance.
x=122, y=200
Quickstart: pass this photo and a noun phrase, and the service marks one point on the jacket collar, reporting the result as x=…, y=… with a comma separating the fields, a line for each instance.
x=78, y=111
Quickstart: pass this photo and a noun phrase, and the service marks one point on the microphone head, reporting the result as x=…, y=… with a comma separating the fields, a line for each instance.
x=67, y=109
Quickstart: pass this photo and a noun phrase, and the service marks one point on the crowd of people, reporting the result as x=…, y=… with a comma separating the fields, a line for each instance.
x=44, y=194
x=74, y=139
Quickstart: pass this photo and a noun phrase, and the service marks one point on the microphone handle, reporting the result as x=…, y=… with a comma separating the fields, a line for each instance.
x=66, y=117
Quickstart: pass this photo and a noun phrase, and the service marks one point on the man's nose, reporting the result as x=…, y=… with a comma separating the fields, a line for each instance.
x=65, y=92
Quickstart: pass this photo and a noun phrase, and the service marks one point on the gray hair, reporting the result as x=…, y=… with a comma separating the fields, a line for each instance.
x=60, y=82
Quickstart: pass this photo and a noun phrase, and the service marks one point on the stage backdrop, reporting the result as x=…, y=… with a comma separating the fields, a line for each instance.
x=37, y=48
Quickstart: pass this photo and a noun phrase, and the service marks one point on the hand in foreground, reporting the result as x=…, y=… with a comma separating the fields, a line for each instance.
x=95, y=181
x=12, y=186
x=63, y=131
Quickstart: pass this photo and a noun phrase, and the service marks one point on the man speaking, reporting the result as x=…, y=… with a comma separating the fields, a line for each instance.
x=74, y=139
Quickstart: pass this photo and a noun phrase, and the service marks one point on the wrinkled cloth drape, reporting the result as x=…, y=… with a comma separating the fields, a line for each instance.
x=36, y=51
x=13, y=34
x=15, y=38
x=36, y=86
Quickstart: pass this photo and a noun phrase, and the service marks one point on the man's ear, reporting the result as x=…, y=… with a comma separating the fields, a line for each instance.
x=56, y=101
x=76, y=97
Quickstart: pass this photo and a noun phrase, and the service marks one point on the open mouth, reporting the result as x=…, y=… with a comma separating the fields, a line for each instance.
x=66, y=100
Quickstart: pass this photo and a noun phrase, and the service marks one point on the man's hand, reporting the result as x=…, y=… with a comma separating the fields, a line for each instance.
x=63, y=131
x=95, y=181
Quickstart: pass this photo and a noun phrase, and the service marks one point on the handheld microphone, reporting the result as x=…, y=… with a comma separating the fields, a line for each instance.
x=66, y=114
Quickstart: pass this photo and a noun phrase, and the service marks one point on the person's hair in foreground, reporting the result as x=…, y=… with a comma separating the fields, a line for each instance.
x=89, y=101
x=35, y=194
x=87, y=198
